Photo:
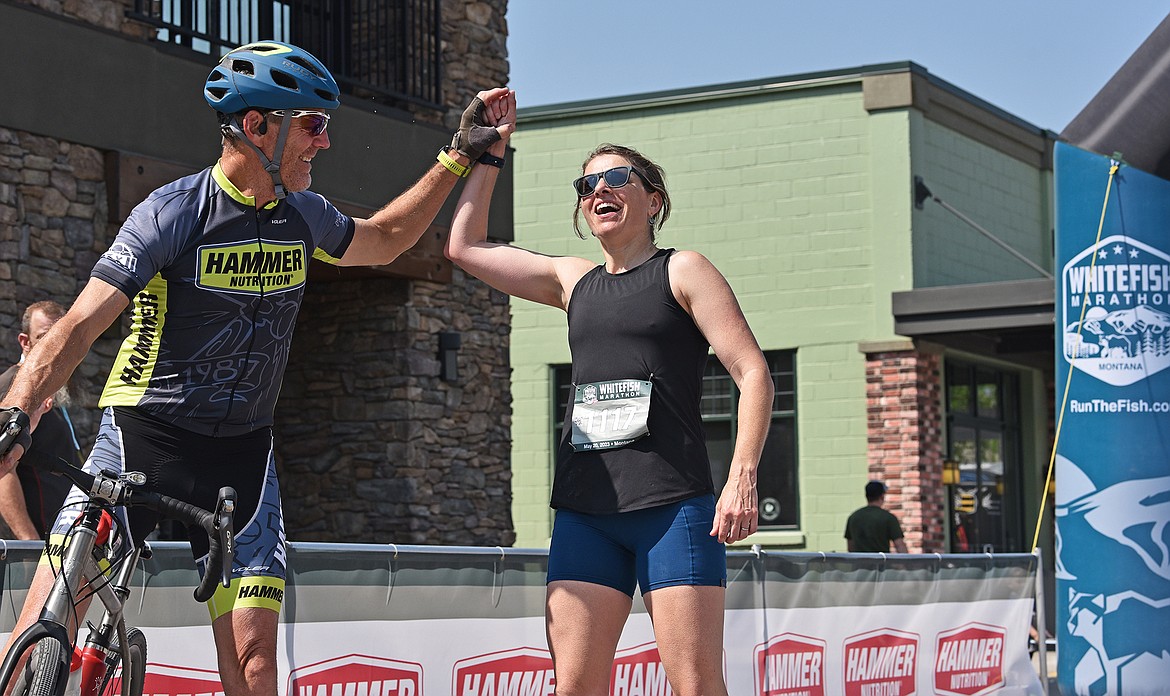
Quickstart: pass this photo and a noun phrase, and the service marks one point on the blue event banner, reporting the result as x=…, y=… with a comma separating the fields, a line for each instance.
x=1113, y=453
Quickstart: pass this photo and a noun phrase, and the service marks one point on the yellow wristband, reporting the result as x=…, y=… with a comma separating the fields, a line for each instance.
x=454, y=167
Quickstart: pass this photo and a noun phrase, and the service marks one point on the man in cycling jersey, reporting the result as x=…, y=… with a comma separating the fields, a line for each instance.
x=213, y=267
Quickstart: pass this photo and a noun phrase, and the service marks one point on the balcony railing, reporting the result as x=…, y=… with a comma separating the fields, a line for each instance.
x=386, y=50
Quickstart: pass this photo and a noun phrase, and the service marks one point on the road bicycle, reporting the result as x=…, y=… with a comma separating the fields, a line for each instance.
x=96, y=559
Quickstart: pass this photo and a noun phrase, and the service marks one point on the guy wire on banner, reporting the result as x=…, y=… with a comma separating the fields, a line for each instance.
x=1114, y=165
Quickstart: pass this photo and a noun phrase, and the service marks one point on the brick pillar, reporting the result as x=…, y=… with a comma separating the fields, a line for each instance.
x=905, y=450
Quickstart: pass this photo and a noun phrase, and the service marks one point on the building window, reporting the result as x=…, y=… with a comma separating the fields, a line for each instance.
x=777, y=476
x=983, y=441
x=383, y=51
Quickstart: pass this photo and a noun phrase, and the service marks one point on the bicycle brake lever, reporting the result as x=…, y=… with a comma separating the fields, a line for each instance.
x=224, y=526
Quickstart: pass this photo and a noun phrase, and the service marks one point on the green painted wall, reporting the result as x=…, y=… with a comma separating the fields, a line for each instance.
x=1003, y=195
x=804, y=200
x=778, y=190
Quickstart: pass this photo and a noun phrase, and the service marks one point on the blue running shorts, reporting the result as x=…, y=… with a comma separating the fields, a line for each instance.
x=653, y=548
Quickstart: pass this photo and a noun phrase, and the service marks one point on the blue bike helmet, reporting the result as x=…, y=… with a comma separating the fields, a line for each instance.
x=268, y=76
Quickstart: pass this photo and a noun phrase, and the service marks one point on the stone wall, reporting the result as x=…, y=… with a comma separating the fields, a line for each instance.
x=372, y=445
x=53, y=227
x=905, y=420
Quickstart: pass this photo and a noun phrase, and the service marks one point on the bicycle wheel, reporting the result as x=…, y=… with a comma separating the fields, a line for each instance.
x=116, y=671
x=42, y=673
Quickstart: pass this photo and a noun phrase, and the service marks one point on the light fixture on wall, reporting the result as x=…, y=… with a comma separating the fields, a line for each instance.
x=449, y=343
x=950, y=473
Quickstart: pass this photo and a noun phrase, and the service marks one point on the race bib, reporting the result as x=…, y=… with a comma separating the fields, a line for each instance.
x=608, y=415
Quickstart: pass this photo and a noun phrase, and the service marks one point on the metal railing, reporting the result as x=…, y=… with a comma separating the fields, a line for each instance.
x=386, y=50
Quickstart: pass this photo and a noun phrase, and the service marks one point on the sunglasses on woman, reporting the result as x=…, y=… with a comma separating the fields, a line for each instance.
x=315, y=121
x=614, y=178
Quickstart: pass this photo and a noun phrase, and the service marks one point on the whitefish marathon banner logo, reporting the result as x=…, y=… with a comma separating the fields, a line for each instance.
x=1122, y=286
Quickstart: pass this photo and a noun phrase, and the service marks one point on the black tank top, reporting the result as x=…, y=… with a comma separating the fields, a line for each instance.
x=630, y=326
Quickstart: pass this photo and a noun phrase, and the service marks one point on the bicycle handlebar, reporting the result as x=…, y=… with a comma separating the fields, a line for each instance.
x=218, y=523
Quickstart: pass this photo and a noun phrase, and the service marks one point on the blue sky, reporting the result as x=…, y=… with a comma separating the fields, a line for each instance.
x=1042, y=60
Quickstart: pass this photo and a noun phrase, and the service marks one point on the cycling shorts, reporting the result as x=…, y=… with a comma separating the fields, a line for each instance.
x=192, y=468
x=657, y=547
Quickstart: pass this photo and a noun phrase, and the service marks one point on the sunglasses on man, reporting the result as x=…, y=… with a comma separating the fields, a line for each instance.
x=614, y=178
x=314, y=121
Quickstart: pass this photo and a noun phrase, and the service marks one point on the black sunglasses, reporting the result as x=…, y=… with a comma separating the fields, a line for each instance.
x=614, y=178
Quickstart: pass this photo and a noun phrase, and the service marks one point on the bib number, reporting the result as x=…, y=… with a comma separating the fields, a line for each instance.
x=608, y=415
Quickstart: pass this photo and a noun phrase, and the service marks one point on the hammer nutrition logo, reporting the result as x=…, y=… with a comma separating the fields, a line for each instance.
x=518, y=672
x=356, y=675
x=790, y=665
x=969, y=660
x=1125, y=297
x=170, y=680
x=881, y=663
x=251, y=267
x=638, y=671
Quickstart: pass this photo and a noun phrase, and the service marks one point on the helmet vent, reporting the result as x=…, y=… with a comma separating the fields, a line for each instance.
x=327, y=96
x=244, y=67
x=285, y=80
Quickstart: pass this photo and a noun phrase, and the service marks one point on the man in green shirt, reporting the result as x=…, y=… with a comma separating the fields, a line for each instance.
x=872, y=528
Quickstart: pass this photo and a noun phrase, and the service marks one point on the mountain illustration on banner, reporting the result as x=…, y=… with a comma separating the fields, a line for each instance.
x=1124, y=337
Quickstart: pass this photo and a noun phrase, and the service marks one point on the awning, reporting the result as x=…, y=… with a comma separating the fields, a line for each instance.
x=1010, y=321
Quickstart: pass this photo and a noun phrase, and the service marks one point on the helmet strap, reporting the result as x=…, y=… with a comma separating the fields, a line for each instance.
x=272, y=166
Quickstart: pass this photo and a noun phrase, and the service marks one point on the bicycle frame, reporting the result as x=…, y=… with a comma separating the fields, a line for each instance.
x=79, y=570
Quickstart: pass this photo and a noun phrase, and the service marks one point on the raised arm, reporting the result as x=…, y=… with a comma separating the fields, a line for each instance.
x=706, y=295
x=386, y=234
x=519, y=272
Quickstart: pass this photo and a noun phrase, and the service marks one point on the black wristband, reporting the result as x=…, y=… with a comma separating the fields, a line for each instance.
x=14, y=429
x=491, y=160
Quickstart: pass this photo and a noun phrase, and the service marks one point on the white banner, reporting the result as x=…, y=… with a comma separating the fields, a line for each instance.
x=478, y=630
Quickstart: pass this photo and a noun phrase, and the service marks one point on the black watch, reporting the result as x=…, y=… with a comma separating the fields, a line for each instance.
x=492, y=160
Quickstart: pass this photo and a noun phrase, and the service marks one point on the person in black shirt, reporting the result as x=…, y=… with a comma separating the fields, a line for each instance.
x=636, y=506
x=872, y=528
x=30, y=496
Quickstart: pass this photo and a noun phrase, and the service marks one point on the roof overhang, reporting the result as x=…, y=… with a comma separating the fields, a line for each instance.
x=1010, y=320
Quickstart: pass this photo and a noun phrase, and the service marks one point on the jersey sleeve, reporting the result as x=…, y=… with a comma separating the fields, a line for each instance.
x=152, y=236
x=332, y=229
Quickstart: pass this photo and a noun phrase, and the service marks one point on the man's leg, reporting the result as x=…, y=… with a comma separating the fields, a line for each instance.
x=245, y=641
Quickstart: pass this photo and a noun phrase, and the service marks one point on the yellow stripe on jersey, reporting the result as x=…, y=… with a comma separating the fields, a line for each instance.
x=252, y=591
x=322, y=255
x=136, y=358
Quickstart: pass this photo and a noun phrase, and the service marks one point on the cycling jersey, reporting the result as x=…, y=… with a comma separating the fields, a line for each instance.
x=215, y=285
